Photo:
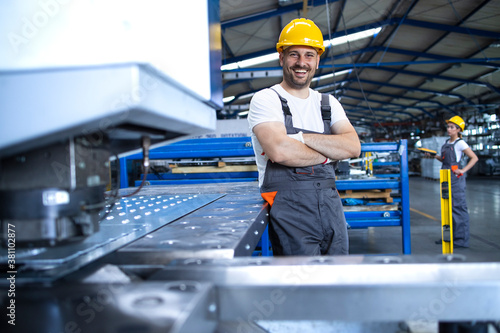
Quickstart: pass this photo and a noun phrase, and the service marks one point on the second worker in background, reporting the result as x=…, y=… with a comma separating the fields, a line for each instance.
x=297, y=134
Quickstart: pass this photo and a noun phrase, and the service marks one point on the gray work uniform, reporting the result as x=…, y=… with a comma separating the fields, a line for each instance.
x=460, y=212
x=306, y=217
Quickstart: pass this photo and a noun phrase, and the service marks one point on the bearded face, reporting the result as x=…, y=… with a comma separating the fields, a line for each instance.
x=299, y=66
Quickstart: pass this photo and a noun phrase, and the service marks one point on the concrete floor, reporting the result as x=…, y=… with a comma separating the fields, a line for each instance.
x=483, y=200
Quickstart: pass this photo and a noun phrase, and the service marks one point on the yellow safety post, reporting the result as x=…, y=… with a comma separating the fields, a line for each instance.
x=446, y=216
x=368, y=163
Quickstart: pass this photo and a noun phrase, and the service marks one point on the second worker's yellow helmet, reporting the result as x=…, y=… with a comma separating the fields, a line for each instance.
x=301, y=32
x=457, y=121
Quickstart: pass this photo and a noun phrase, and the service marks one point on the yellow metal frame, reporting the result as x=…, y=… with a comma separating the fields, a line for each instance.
x=446, y=211
x=369, y=163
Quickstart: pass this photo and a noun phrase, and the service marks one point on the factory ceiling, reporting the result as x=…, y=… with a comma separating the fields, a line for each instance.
x=429, y=60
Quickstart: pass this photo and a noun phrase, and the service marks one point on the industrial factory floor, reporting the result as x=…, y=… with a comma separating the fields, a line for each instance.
x=483, y=199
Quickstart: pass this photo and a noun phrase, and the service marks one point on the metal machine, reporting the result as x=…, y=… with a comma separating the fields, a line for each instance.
x=78, y=255
x=73, y=96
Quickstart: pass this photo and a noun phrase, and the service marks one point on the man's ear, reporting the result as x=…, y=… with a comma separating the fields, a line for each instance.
x=317, y=62
x=281, y=58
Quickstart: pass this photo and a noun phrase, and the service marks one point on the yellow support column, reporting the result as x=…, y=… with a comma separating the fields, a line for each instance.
x=368, y=163
x=446, y=210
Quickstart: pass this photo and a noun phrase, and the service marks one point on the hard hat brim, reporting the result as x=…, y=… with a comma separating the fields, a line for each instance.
x=282, y=47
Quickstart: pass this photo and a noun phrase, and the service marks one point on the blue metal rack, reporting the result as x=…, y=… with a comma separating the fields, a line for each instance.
x=196, y=149
x=242, y=147
x=398, y=182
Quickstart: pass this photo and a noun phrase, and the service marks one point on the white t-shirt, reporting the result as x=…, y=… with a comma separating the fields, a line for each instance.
x=306, y=114
x=460, y=146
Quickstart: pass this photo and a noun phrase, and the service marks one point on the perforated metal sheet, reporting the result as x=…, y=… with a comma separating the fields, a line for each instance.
x=130, y=219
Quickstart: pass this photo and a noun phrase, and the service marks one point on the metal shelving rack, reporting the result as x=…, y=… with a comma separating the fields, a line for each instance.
x=399, y=182
x=206, y=150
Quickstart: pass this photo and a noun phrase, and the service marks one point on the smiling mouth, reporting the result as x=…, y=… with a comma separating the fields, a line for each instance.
x=300, y=71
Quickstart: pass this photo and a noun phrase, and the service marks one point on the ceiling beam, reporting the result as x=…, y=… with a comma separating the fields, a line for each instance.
x=358, y=107
x=270, y=13
x=392, y=21
x=451, y=28
x=439, y=104
x=440, y=77
x=441, y=38
x=490, y=62
x=389, y=103
x=372, y=64
x=408, y=88
x=485, y=62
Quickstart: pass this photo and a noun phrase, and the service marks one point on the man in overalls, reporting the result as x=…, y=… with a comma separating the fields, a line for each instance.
x=297, y=134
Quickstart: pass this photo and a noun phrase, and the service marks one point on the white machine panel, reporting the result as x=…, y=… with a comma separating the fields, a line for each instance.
x=172, y=36
x=70, y=68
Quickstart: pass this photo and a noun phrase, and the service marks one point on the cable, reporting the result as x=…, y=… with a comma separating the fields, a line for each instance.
x=331, y=51
x=355, y=69
x=146, y=143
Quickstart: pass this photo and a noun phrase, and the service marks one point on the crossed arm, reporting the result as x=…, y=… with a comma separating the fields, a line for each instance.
x=280, y=148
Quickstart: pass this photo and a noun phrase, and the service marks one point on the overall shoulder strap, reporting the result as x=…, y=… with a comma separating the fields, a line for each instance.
x=462, y=154
x=284, y=104
x=326, y=109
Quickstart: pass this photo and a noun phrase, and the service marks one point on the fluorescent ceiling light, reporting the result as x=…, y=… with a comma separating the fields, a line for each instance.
x=251, y=62
x=327, y=43
x=230, y=98
x=246, y=96
x=352, y=37
x=227, y=99
x=329, y=76
x=322, y=77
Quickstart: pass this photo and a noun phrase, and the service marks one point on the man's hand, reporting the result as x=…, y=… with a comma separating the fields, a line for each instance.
x=342, y=144
x=298, y=136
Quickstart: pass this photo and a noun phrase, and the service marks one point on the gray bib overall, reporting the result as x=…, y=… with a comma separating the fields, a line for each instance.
x=306, y=217
x=460, y=213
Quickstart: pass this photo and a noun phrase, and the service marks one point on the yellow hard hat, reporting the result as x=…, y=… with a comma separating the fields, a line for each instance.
x=301, y=32
x=457, y=121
